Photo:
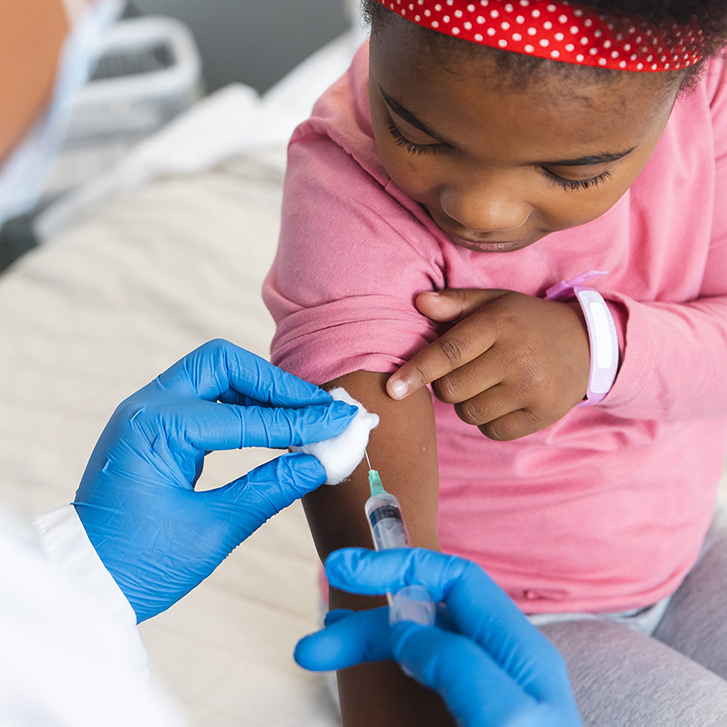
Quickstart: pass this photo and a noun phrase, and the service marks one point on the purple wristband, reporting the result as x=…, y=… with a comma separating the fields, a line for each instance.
x=601, y=332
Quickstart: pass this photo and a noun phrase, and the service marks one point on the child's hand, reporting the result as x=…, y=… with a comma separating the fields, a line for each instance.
x=512, y=364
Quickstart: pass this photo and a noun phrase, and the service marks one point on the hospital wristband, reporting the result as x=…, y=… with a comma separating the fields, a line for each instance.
x=601, y=333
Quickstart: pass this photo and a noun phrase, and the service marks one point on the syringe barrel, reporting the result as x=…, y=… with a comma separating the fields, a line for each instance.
x=412, y=603
x=386, y=523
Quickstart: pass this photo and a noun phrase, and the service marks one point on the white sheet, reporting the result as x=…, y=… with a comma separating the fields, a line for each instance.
x=94, y=316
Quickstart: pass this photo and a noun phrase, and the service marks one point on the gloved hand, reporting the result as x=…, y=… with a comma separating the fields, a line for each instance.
x=158, y=537
x=491, y=666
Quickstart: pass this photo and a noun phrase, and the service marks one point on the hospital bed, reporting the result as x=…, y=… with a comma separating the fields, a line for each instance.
x=140, y=266
x=164, y=252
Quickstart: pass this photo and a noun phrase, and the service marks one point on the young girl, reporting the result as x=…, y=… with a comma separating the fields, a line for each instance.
x=475, y=155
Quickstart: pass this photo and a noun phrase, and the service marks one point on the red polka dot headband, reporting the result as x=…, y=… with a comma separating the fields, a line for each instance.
x=558, y=31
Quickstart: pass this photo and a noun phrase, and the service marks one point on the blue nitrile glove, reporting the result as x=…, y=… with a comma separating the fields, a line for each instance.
x=158, y=537
x=491, y=666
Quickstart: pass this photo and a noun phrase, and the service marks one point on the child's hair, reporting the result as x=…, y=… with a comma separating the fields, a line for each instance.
x=709, y=16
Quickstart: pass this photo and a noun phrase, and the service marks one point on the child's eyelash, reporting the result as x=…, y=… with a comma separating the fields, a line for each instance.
x=410, y=146
x=567, y=184
x=574, y=184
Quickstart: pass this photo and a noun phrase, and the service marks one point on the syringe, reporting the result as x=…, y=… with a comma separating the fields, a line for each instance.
x=411, y=603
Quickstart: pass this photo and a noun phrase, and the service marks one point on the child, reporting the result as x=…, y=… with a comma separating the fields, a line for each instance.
x=476, y=154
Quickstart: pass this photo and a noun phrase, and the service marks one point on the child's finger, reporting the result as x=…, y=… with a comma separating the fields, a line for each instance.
x=455, y=348
x=513, y=425
x=466, y=382
x=488, y=406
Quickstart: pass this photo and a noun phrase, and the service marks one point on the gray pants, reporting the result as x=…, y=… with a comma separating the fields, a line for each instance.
x=675, y=678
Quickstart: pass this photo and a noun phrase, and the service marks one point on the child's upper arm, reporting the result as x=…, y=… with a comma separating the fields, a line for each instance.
x=350, y=263
x=403, y=450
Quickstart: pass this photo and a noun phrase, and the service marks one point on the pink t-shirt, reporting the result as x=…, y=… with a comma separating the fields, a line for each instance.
x=607, y=509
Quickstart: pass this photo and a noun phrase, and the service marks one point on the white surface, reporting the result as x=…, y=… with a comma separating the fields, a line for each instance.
x=599, y=312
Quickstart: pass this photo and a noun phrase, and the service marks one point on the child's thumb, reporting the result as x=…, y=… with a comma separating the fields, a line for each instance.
x=454, y=303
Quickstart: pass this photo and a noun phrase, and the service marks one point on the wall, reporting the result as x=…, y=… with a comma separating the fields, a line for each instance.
x=254, y=41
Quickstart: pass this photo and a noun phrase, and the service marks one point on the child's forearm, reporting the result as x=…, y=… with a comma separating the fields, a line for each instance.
x=403, y=449
x=674, y=360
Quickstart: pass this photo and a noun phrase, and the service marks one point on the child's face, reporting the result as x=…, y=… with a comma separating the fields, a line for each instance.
x=500, y=166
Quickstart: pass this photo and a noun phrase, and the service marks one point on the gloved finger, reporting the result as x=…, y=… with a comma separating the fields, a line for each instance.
x=473, y=599
x=337, y=615
x=235, y=397
x=218, y=365
x=477, y=605
x=475, y=689
x=444, y=621
x=266, y=490
x=361, y=636
x=367, y=572
x=213, y=426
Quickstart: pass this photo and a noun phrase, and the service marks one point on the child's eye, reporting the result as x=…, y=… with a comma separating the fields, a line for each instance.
x=573, y=184
x=410, y=146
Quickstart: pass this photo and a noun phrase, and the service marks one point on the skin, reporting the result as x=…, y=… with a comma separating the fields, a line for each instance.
x=335, y=515
x=510, y=363
x=499, y=166
x=496, y=185
x=31, y=38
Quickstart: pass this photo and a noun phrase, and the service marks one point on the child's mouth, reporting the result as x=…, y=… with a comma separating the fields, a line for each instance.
x=489, y=245
x=479, y=241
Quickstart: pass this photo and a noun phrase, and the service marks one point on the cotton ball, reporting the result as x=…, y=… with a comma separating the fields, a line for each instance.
x=340, y=455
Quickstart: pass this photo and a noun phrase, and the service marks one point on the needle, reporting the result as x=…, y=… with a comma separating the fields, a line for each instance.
x=368, y=461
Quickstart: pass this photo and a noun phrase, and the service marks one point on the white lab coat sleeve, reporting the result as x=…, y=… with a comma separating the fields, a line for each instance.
x=70, y=651
x=70, y=551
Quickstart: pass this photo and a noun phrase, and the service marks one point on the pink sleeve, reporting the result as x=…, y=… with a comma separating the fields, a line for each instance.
x=350, y=263
x=675, y=354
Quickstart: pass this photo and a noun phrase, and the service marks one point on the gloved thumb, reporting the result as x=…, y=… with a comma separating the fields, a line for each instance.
x=268, y=489
x=349, y=638
x=475, y=689
x=455, y=303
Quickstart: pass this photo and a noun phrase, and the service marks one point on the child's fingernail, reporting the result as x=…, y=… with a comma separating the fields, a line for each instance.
x=398, y=388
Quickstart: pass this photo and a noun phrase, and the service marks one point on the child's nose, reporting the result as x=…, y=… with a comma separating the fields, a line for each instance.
x=484, y=208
